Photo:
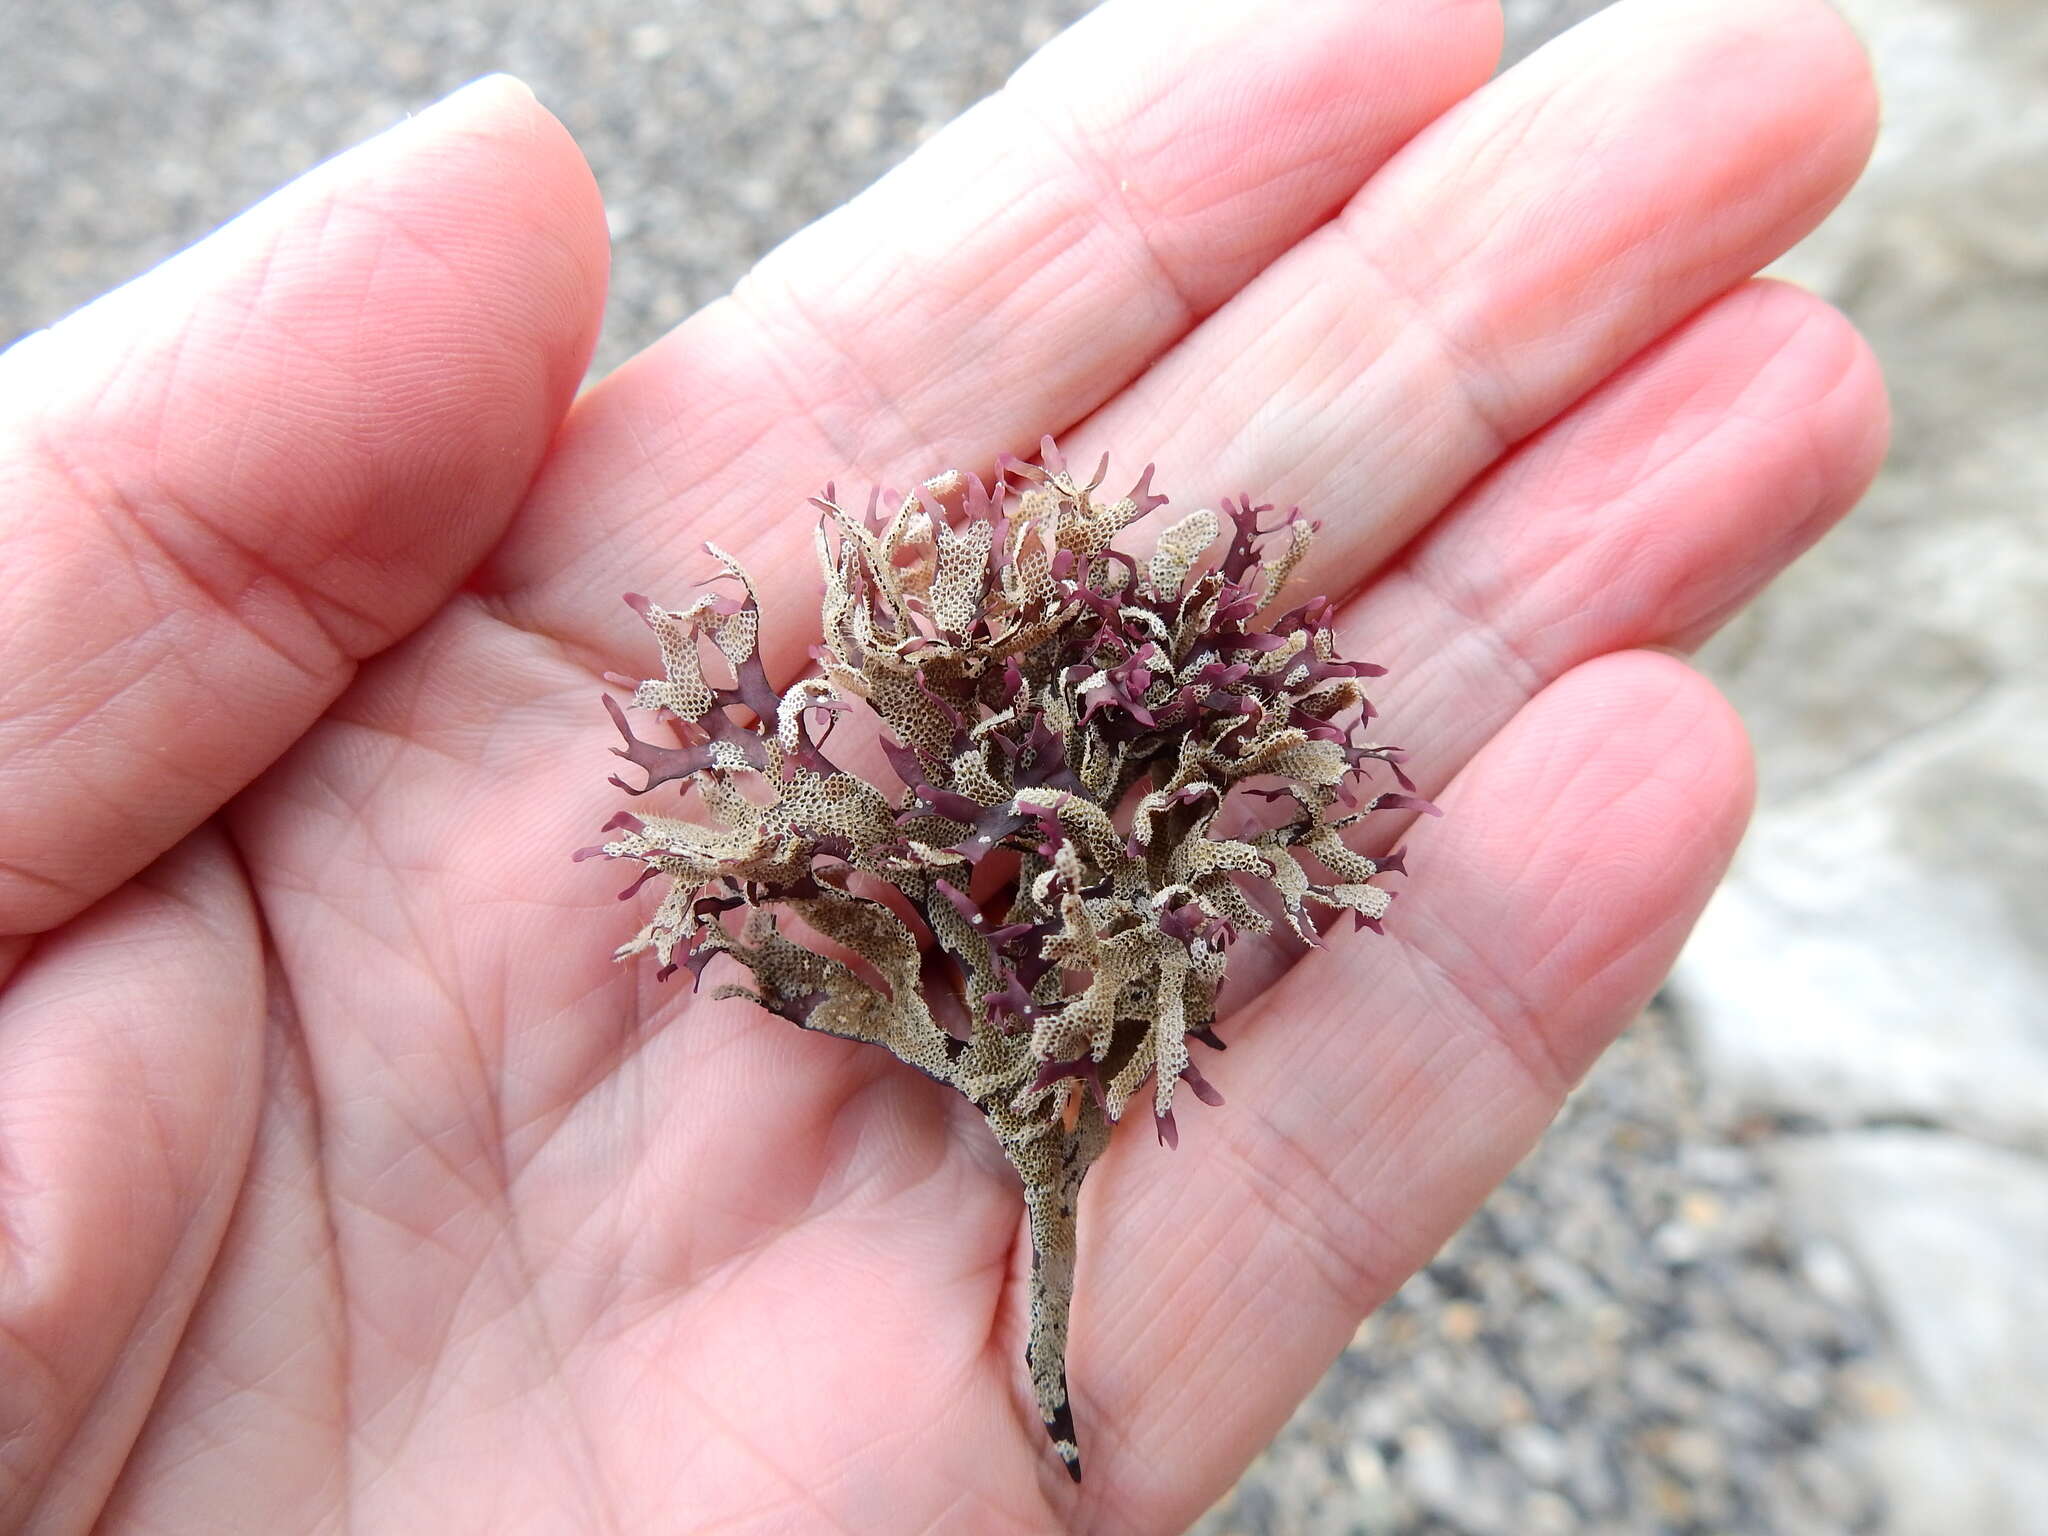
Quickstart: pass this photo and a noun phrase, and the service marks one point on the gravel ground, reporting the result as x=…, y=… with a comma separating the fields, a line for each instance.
x=129, y=129
x=1627, y=1339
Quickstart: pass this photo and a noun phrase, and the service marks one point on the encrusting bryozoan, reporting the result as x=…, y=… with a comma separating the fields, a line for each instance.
x=1058, y=706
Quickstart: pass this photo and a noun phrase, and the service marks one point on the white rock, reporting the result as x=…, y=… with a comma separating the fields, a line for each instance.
x=1850, y=969
x=1954, y=1479
x=1952, y=1238
x=1881, y=948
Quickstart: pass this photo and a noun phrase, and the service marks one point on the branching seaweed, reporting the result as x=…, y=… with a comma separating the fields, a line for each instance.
x=1084, y=721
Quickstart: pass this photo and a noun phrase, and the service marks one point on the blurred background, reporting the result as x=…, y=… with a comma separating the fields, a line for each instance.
x=1782, y=1265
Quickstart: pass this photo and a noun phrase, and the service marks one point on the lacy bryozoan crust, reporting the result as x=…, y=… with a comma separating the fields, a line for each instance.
x=1078, y=718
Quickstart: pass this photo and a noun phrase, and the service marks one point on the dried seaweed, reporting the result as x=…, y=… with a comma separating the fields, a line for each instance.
x=1154, y=765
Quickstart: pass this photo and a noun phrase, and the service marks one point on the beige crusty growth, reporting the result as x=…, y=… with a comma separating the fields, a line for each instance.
x=1151, y=765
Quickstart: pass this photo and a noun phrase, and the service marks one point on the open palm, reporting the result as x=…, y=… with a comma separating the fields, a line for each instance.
x=344, y=1179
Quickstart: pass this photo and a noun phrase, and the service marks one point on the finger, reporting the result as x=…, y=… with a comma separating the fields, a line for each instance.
x=1644, y=516
x=1504, y=263
x=1385, y=1086
x=1014, y=273
x=129, y=1062
x=228, y=481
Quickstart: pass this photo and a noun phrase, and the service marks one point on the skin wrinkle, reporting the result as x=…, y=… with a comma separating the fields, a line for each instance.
x=338, y=1340
x=648, y=462
x=166, y=392
x=1233, y=1348
x=1626, y=941
x=449, y=1230
x=723, y=450
x=609, y=1312
x=1517, y=1027
x=362, y=927
x=654, y=1025
x=1234, y=1353
x=850, y=1135
x=1112, y=192
x=838, y=444
x=208, y=1441
x=690, y=1267
x=1272, y=1166
x=585, y=1453
x=1032, y=259
x=49, y=1385
x=894, y=304
x=687, y=1267
x=637, y=1030
x=264, y=261
x=1638, y=481
x=444, y=1374
x=123, y=512
x=844, y=1470
x=416, y=1387
x=85, y=1416
x=167, y=657
x=1175, y=1323
x=1473, y=624
x=718, y=1274
x=22, y=874
x=265, y=1380
x=54, y=672
x=711, y=1282
x=938, y=1521
x=15, y=950
x=392, y=224
x=1227, y=1347
x=1114, y=1512
x=799, y=1490
x=640, y=1023
x=1466, y=368
x=1330, y=95
x=419, y=729
x=951, y=307
x=429, y=1141
x=1666, y=935
x=757, y=1519
x=423, y=1143
x=584, y=1313
x=610, y=653
x=243, y=604
x=190, y=1232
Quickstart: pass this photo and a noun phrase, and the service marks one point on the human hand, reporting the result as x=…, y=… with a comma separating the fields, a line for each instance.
x=346, y=1182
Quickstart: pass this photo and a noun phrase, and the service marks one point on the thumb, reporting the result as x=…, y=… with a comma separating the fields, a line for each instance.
x=224, y=484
